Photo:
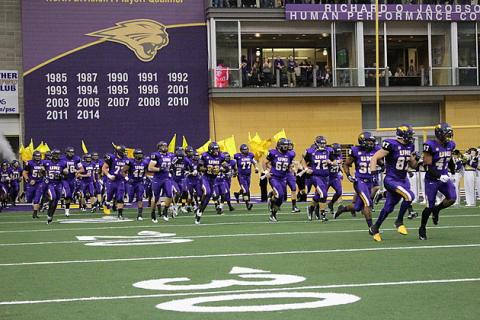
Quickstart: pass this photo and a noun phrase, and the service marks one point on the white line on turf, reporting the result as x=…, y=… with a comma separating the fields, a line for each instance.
x=141, y=225
x=234, y=235
x=247, y=254
x=169, y=295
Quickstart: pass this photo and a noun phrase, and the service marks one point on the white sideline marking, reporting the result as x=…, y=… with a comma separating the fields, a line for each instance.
x=82, y=239
x=164, y=295
x=229, y=255
x=52, y=228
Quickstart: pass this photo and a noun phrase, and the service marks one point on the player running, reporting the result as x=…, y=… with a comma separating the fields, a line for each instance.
x=245, y=160
x=278, y=163
x=113, y=170
x=72, y=161
x=399, y=154
x=363, y=181
x=32, y=175
x=335, y=176
x=136, y=171
x=292, y=178
x=86, y=174
x=437, y=159
x=56, y=170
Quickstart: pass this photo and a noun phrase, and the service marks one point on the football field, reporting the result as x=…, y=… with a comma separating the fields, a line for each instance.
x=237, y=266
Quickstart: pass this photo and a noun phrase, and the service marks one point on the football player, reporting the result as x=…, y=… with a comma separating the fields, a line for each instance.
x=16, y=174
x=277, y=165
x=98, y=184
x=72, y=162
x=113, y=169
x=86, y=174
x=245, y=160
x=317, y=161
x=32, y=175
x=180, y=166
x=210, y=163
x=221, y=191
x=335, y=175
x=5, y=178
x=137, y=169
x=437, y=159
x=292, y=178
x=231, y=170
x=55, y=171
x=160, y=163
x=194, y=184
x=399, y=155
x=363, y=181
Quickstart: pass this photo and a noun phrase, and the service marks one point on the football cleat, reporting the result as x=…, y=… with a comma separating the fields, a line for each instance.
x=310, y=213
x=231, y=208
x=295, y=210
x=402, y=229
x=197, y=219
x=272, y=218
x=412, y=215
x=373, y=231
x=120, y=217
x=324, y=218
x=219, y=210
x=154, y=220
x=139, y=218
x=339, y=211
x=249, y=207
x=422, y=233
x=49, y=220
x=377, y=237
x=165, y=218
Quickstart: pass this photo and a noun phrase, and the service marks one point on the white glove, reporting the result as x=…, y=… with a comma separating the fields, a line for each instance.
x=444, y=178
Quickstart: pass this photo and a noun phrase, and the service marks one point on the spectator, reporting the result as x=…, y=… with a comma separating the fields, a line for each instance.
x=387, y=72
x=305, y=72
x=399, y=72
x=291, y=76
x=255, y=75
x=279, y=66
x=267, y=72
x=244, y=66
x=411, y=71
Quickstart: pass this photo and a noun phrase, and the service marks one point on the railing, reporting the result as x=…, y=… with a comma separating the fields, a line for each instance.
x=315, y=77
x=281, y=3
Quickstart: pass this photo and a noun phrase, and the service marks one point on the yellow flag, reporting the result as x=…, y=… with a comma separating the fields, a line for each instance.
x=39, y=147
x=129, y=152
x=230, y=145
x=27, y=153
x=46, y=147
x=204, y=148
x=258, y=146
x=84, y=147
x=184, y=142
x=279, y=135
x=171, y=145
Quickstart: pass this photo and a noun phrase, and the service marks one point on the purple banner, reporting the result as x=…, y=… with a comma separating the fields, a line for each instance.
x=128, y=72
x=386, y=12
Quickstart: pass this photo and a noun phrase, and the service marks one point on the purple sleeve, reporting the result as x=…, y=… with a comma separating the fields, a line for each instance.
x=270, y=156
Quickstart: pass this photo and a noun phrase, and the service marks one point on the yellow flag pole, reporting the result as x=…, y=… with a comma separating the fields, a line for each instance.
x=377, y=63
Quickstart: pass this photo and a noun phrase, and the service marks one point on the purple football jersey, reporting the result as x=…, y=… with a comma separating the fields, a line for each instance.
x=396, y=163
x=115, y=166
x=281, y=162
x=54, y=170
x=34, y=169
x=441, y=154
x=88, y=168
x=179, y=167
x=137, y=169
x=212, y=163
x=317, y=160
x=362, y=159
x=5, y=175
x=335, y=168
x=16, y=173
x=244, y=163
x=72, y=164
x=164, y=162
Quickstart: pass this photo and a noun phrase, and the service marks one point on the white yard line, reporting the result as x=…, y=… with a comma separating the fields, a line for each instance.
x=206, y=224
x=229, y=255
x=232, y=235
x=202, y=293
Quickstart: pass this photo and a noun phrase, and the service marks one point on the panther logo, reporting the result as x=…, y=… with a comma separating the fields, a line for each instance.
x=143, y=36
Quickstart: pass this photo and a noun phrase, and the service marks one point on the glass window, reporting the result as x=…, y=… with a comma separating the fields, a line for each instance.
x=467, y=54
x=370, y=54
x=346, y=54
x=441, y=54
x=226, y=71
